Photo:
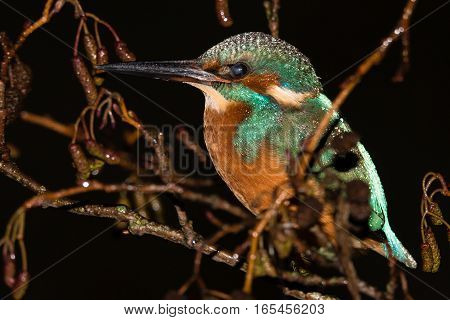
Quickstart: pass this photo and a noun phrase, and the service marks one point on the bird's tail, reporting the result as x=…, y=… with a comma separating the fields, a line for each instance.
x=396, y=247
x=379, y=204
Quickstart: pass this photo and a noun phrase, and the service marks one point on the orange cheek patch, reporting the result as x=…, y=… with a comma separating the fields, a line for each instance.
x=260, y=82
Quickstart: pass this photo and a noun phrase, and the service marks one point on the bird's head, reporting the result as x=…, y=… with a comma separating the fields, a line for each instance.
x=252, y=68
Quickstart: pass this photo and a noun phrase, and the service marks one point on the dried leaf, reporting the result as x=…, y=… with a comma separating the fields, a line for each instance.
x=21, y=77
x=80, y=161
x=434, y=209
x=427, y=257
x=102, y=56
x=95, y=166
x=431, y=249
x=97, y=150
x=83, y=75
x=123, y=53
x=90, y=46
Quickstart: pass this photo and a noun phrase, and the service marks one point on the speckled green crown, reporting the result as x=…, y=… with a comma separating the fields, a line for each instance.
x=264, y=53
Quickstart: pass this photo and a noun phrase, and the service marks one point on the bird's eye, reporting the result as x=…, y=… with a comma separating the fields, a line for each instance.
x=239, y=70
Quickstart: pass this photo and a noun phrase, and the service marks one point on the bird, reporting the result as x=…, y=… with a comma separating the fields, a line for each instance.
x=263, y=99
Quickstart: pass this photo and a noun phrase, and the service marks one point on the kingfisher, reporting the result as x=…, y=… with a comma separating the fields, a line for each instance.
x=263, y=99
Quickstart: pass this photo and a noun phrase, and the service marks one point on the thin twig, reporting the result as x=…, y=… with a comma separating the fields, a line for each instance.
x=48, y=122
x=344, y=245
x=36, y=25
x=272, y=7
x=306, y=296
x=254, y=236
x=9, y=168
x=404, y=25
x=392, y=284
x=348, y=86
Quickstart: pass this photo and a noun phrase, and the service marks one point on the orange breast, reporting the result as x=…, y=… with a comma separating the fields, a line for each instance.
x=255, y=184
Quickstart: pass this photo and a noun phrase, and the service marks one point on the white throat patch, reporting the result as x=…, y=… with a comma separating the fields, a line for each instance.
x=285, y=97
x=213, y=98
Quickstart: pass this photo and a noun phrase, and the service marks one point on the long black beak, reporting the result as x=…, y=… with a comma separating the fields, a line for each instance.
x=182, y=70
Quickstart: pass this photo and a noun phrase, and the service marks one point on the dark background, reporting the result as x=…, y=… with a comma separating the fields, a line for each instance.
x=404, y=126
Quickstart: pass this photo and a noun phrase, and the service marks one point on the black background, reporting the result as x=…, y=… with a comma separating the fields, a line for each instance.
x=404, y=126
